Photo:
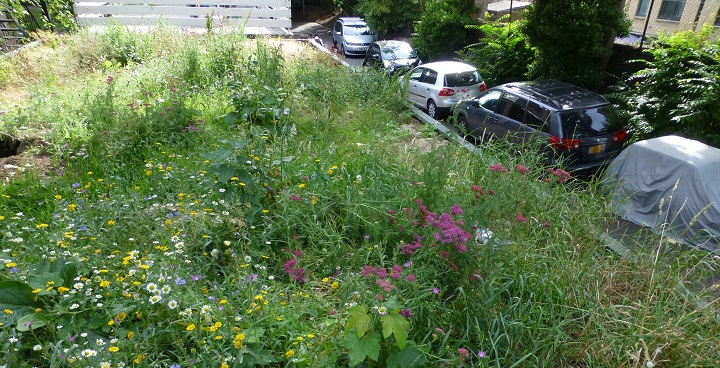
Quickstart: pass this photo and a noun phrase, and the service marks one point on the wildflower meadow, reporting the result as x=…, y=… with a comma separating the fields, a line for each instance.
x=216, y=201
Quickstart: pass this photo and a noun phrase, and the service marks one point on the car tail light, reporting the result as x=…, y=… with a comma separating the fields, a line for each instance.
x=447, y=92
x=483, y=87
x=619, y=136
x=564, y=144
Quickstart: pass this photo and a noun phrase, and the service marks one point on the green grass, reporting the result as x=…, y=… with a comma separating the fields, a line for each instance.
x=287, y=217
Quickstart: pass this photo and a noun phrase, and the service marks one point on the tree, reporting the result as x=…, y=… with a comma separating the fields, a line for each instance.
x=571, y=38
x=441, y=30
x=387, y=16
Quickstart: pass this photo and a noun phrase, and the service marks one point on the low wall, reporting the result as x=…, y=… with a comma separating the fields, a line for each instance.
x=186, y=13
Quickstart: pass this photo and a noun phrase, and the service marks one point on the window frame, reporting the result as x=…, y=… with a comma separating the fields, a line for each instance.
x=678, y=7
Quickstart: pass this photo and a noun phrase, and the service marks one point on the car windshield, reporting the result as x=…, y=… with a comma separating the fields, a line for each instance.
x=398, y=52
x=462, y=79
x=590, y=122
x=357, y=29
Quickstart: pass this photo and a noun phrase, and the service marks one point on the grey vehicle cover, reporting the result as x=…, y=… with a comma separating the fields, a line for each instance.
x=669, y=184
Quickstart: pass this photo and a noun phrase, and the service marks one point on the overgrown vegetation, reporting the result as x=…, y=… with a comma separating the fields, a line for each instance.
x=219, y=202
x=573, y=40
x=677, y=91
x=502, y=54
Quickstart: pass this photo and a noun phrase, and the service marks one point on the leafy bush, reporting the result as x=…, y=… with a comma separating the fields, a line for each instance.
x=572, y=39
x=502, y=54
x=441, y=30
x=386, y=16
x=678, y=90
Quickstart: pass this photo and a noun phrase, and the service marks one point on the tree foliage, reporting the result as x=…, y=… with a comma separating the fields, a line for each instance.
x=679, y=90
x=502, y=54
x=60, y=14
x=389, y=15
x=572, y=38
x=441, y=29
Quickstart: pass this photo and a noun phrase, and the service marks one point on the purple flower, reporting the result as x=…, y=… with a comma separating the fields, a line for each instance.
x=436, y=291
x=75, y=185
x=196, y=277
x=481, y=354
x=180, y=281
x=14, y=270
x=251, y=277
x=406, y=313
x=366, y=237
x=175, y=366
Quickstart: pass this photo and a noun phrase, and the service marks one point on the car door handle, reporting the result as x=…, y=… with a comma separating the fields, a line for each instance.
x=428, y=89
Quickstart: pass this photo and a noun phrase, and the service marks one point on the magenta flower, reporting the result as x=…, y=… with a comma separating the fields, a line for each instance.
x=498, y=168
x=295, y=197
x=406, y=313
x=481, y=354
x=436, y=291
x=521, y=218
x=522, y=169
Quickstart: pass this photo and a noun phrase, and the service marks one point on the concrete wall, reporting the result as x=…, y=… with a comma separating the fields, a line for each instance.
x=694, y=15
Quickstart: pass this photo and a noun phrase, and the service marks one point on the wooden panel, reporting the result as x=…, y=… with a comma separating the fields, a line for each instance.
x=256, y=3
x=183, y=21
x=188, y=11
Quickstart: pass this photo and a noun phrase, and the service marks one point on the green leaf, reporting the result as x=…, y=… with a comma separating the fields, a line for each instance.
x=409, y=357
x=18, y=298
x=358, y=319
x=43, y=280
x=225, y=172
x=218, y=155
x=362, y=347
x=68, y=274
x=253, y=334
x=395, y=324
x=30, y=322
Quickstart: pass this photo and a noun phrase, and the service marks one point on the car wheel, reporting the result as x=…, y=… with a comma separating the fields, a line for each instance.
x=342, y=49
x=432, y=109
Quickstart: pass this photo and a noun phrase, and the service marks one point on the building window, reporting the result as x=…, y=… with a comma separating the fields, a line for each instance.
x=717, y=19
x=671, y=9
x=642, y=8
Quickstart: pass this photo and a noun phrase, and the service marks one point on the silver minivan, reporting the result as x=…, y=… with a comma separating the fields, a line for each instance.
x=352, y=36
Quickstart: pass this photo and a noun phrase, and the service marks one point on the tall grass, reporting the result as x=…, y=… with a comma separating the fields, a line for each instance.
x=222, y=203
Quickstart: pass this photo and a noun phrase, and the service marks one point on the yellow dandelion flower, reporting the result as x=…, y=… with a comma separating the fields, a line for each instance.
x=335, y=285
x=139, y=359
x=58, y=196
x=10, y=264
x=290, y=353
x=111, y=222
x=190, y=327
x=8, y=311
x=302, y=185
x=113, y=349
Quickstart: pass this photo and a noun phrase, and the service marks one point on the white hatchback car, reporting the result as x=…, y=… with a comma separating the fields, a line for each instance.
x=440, y=85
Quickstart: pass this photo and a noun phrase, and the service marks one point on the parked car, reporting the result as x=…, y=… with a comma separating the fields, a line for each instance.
x=352, y=36
x=438, y=86
x=396, y=57
x=574, y=125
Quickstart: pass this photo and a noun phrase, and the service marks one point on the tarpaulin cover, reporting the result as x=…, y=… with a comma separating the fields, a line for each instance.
x=669, y=184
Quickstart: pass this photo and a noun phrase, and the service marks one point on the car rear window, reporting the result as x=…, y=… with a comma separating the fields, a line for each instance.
x=590, y=122
x=462, y=79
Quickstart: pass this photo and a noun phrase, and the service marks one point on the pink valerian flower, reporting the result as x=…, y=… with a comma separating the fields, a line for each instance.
x=478, y=189
x=411, y=278
x=295, y=197
x=455, y=210
x=522, y=169
x=386, y=285
x=562, y=175
x=381, y=273
x=406, y=313
x=368, y=271
x=450, y=230
x=410, y=248
x=476, y=275
x=521, y=218
x=396, y=270
x=464, y=353
x=498, y=168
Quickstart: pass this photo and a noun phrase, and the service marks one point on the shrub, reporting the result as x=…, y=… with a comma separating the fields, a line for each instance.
x=441, y=30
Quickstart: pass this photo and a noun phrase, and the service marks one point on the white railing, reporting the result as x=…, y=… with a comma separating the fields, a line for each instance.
x=186, y=13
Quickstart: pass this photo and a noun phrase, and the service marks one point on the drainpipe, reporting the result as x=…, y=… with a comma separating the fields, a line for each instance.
x=647, y=20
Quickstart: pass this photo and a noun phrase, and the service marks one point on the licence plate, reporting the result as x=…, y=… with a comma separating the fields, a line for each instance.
x=596, y=148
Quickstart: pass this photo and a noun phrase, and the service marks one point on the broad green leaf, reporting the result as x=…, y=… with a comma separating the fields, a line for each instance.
x=219, y=155
x=30, y=322
x=395, y=324
x=16, y=294
x=409, y=357
x=68, y=274
x=361, y=347
x=232, y=117
x=225, y=172
x=358, y=319
x=253, y=334
x=45, y=280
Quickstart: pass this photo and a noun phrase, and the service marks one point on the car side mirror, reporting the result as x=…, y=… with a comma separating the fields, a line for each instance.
x=376, y=56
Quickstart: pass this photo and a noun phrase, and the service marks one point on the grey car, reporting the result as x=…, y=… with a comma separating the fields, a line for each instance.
x=396, y=57
x=352, y=36
x=576, y=127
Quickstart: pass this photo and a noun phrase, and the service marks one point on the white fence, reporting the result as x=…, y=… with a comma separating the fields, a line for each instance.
x=186, y=13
